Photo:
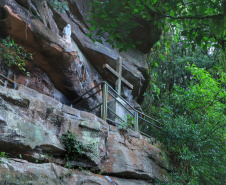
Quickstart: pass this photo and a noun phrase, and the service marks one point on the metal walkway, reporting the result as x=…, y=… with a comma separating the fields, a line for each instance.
x=137, y=120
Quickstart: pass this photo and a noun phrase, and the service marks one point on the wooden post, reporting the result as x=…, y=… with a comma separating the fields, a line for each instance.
x=104, y=106
x=8, y=76
x=14, y=84
x=136, y=121
x=2, y=82
x=7, y=79
x=118, y=85
x=119, y=71
x=118, y=75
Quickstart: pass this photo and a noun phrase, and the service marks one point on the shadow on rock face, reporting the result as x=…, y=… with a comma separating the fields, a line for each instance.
x=50, y=52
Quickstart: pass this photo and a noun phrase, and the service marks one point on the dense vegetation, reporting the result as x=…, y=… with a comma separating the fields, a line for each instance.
x=59, y=6
x=14, y=55
x=203, y=21
x=187, y=95
x=187, y=71
x=187, y=90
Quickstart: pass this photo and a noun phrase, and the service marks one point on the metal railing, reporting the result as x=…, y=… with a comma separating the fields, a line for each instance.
x=139, y=119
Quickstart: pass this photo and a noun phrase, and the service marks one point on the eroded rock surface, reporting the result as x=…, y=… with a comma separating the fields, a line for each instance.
x=64, y=63
x=31, y=126
x=33, y=118
x=73, y=68
x=20, y=171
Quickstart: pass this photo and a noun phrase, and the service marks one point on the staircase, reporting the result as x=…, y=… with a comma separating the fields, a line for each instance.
x=121, y=113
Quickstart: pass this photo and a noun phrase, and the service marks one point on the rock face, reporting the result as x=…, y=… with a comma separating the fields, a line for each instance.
x=72, y=68
x=64, y=63
x=34, y=117
x=31, y=126
x=22, y=172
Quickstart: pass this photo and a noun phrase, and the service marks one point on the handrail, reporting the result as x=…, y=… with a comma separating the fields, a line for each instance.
x=86, y=93
x=90, y=96
x=115, y=98
x=132, y=128
x=2, y=82
x=121, y=103
x=110, y=88
x=96, y=107
x=149, y=117
x=149, y=122
x=131, y=105
x=116, y=114
x=120, y=96
x=120, y=119
x=6, y=78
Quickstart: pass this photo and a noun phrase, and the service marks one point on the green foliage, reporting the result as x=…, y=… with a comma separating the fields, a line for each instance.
x=194, y=120
x=73, y=146
x=14, y=54
x=202, y=22
x=187, y=94
x=127, y=124
x=20, y=156
x=2, y=155
x=59, y=6
x=68, y=174
x=123, y=125
x=113, y=18
x=167, y=63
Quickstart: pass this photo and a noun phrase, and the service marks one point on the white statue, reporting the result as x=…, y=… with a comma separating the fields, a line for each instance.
x=67, y=33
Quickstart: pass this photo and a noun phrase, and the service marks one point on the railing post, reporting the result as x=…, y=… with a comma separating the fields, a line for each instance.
x=136, y=121
x=105, y=97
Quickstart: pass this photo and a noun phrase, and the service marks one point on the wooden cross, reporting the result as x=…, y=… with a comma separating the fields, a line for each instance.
x=7, y=79
x=118, y=74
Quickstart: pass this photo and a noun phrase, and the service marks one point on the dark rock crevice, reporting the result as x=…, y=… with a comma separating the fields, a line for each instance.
x=145, y=85
x=42, y=41
x=129, y=175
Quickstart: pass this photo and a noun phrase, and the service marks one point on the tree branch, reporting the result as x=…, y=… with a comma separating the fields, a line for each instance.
x=213, y=131
x=181, y=5
x=195, y=17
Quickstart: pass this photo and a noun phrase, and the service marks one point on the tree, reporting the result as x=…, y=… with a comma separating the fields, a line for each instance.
x=193, y=129
x=167, y=63
x=190, y=104
x=203, y=21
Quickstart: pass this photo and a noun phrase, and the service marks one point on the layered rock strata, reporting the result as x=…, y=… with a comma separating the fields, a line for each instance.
x=72, y=67
x=31, y=126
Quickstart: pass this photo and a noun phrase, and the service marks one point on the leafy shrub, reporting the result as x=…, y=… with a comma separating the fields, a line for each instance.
x=59, y=6
x=126, y=124
x=194, y=129
x=2, y=155
x=73, y=146
x=14, y=54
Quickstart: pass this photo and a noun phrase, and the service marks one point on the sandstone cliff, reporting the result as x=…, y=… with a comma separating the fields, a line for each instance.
x=31, y=126
x=71, y=68
x=34, y=118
